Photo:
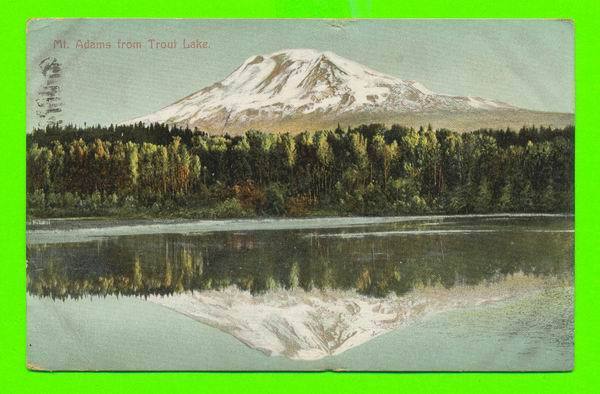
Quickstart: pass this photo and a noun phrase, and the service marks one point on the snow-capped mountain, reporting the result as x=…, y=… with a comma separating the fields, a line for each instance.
x=300, y=89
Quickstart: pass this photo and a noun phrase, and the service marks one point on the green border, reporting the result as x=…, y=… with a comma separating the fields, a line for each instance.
x=16, y=378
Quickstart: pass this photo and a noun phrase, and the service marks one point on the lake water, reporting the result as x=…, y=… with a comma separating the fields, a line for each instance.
x=420, y=293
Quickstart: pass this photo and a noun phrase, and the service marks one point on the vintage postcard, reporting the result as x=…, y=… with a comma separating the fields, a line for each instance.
x=364, y=195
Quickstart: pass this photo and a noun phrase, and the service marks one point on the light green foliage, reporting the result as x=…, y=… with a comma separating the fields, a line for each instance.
x=369, y=170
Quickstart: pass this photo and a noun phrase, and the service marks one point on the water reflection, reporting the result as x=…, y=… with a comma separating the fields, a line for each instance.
x=372, y=264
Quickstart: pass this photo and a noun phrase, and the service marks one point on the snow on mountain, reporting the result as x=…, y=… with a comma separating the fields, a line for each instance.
x=310, y=325
x=300, y=87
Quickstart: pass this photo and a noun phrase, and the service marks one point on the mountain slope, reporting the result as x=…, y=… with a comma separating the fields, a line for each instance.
x=299, y=89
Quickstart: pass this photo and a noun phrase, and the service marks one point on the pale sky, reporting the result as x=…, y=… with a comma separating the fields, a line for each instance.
x=527, y=63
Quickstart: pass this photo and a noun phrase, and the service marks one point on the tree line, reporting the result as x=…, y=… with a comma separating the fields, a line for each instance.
x=368, y=170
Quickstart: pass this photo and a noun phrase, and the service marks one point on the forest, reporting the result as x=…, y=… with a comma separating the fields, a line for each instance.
x=160, y=171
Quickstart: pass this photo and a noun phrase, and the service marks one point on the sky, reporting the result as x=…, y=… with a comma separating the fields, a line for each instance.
x=527, y=63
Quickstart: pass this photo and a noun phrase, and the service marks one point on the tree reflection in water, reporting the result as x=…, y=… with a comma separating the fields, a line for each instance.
x=263, y=260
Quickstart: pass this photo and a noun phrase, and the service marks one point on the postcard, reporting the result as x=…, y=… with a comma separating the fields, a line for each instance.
x=300, y=195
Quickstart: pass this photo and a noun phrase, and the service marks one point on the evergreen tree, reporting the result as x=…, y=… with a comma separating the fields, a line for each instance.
x=365, y=170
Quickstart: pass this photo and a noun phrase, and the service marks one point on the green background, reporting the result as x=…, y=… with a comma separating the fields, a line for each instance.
x=16, y=378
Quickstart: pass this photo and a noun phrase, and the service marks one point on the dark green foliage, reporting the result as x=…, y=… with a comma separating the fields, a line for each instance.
x=275, y=196
x=369, y=170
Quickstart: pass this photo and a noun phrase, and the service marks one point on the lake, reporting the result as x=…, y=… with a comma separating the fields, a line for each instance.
x=487, y=292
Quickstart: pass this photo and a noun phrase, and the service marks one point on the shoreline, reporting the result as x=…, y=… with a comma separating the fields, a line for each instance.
x=68, y=230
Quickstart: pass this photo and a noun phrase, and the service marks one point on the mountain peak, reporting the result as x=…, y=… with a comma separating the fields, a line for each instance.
x=307, y=87
x=295, y=54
